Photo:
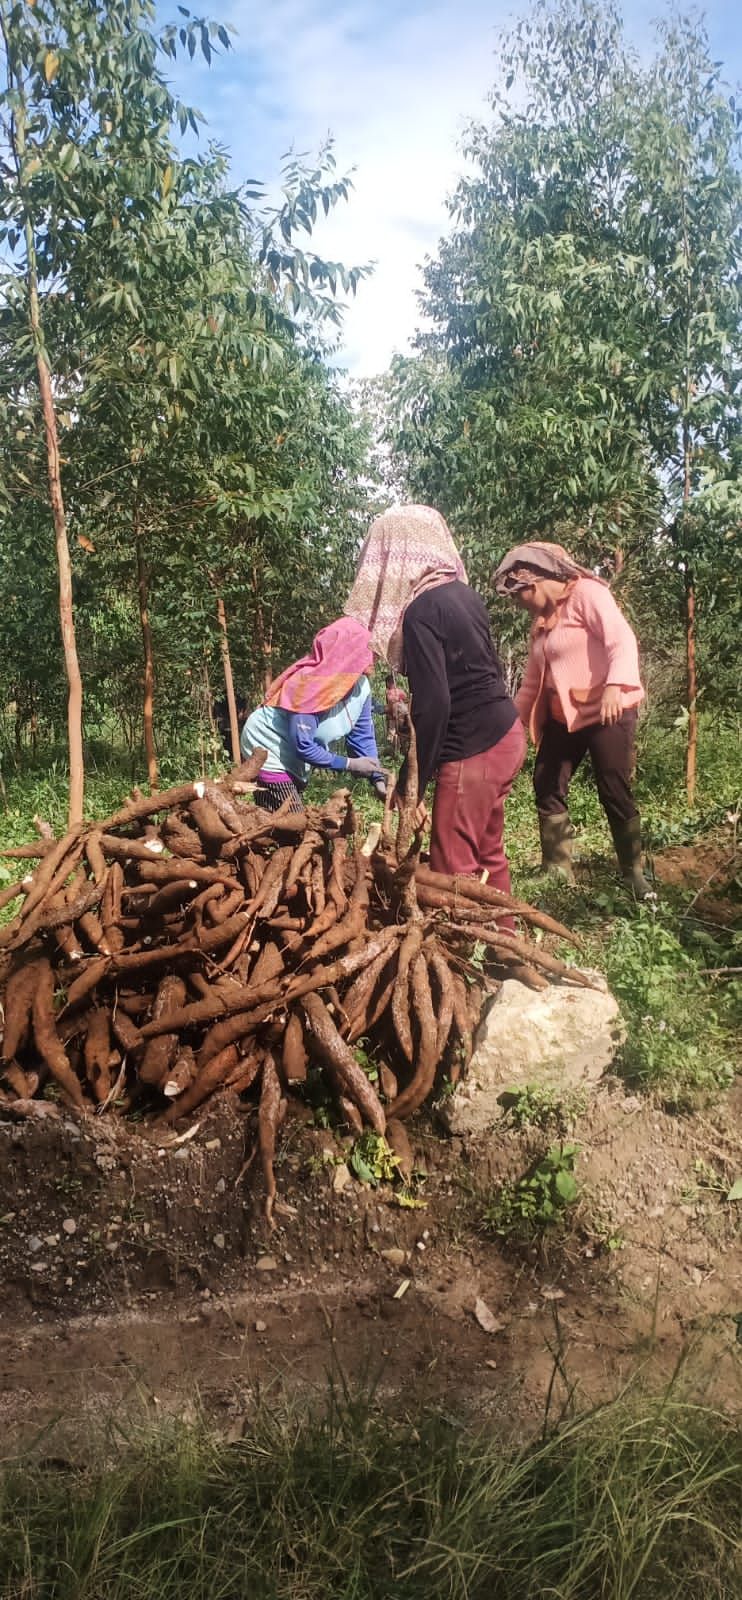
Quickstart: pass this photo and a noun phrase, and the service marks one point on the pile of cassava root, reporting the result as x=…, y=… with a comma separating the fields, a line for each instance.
x=193, y=943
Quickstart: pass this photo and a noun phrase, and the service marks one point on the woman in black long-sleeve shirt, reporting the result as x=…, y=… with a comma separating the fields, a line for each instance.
x=412, y=595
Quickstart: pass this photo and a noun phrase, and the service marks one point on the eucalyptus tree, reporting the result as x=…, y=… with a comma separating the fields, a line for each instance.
x=683, y=218
x=145, y=299
x=581, y=370
x=85, y=123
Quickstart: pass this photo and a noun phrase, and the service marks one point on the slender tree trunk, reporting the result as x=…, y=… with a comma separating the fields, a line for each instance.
x=268, y=657
x=56, y=498
x=149, y=664
x=264, y=634
x=691, y=753
x=64, y=565
x=234, y=729
x=265, y=646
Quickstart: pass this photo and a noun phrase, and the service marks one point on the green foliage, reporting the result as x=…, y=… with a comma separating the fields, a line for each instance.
x=580, y=375
x=638, y=1497
x=207, y=450
x=372, y=1160
x=525, y=1207
x=675, y=1042
x=536, y=1106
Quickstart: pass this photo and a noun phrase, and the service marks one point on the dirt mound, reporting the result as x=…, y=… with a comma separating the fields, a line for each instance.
x=127, y=1271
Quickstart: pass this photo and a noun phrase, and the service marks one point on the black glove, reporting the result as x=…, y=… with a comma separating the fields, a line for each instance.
x=363, y=766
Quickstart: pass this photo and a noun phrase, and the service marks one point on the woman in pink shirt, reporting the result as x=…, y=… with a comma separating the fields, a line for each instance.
x=579, y=694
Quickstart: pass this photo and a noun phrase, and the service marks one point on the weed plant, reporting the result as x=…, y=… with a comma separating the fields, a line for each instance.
x=522, y=1209
x=635, y=1501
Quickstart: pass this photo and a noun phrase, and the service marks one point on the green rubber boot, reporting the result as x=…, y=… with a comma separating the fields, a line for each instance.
x=627, y=839
x=556, y=845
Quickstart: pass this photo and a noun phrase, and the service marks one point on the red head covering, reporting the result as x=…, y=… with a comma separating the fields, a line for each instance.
x=339, y=656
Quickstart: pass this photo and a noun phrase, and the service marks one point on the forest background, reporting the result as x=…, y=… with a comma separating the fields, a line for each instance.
x=186, y=477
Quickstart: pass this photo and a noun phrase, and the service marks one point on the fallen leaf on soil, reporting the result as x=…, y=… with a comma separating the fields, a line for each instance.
x=735, y=1193
x=485, y=1318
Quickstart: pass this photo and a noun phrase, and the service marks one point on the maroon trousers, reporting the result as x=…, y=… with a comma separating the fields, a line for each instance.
x=469, y=807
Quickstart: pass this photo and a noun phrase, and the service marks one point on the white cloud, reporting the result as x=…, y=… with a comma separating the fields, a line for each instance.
x=394, y=81
x=394, y=85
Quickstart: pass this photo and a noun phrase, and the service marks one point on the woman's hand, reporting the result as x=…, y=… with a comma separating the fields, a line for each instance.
x=610, y=705
x=363, y=766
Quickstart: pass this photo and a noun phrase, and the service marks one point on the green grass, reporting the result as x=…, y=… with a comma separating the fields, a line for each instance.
x=636, y=1501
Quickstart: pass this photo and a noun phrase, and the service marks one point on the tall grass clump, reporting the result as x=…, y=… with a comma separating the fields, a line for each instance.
x=634, y=1501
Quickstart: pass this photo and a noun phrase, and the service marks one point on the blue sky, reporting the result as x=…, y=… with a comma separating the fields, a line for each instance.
x=394, y=81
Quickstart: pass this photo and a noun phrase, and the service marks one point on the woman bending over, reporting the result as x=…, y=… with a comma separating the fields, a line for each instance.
x=320, y=700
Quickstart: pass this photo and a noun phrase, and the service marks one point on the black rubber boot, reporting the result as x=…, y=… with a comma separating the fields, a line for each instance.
x=627, y=839
x=556, y=844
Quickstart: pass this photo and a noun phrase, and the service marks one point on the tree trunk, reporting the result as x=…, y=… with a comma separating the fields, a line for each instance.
x=691, y=753
x=149, y=665
x=264, y=634
x=56, y=498
x=265, y=647
x=64, y=567
x=234, y=729
x=268, y=658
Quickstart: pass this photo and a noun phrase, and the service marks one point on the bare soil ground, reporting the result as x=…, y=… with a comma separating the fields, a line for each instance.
x=132, y=1272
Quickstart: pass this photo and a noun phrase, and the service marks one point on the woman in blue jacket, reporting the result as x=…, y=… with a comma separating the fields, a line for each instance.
x=321, y=700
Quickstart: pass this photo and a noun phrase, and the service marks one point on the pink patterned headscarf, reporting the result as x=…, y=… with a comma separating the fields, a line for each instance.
x=406, y=551
x=339, y=656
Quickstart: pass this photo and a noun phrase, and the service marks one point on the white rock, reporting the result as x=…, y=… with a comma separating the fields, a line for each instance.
x=557, y=1038
x=69, y=1225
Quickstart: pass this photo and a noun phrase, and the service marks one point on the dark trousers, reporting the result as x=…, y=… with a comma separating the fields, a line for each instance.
x=611, y=750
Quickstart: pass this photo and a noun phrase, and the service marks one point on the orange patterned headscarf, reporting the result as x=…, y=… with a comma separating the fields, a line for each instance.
x=340, y=655
x=406, y=551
